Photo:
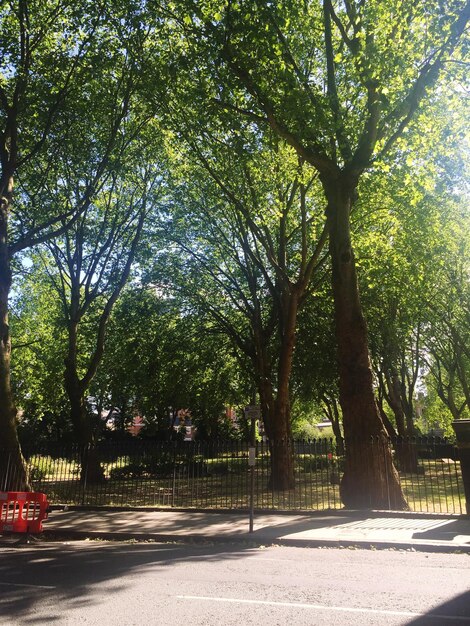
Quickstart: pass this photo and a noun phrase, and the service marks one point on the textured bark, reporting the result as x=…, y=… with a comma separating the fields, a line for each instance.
x=404, y=447
x=332, y=413
x=394, y=401
x=370, y=479
x=276, y=418
x=91, y=470
x=13, y=470
x=282, y=476
x=282, y=464
x=276, y=405
x=407, y=455
x=387, y=423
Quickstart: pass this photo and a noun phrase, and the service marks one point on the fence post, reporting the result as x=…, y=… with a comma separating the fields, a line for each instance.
x=86, y=455
x=462, y=432
x=173, y=487
x=253, y=413
x=251, y=463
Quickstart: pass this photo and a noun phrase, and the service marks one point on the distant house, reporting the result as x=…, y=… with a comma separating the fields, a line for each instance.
x=136, y=426
x=183, y=421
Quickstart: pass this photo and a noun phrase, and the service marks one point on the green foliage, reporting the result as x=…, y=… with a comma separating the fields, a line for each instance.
x=44, y=467
x=180, y=364
x=108, y=89
x=37, y=356
x=320, y=462
x=217, y=467
x=163, y=465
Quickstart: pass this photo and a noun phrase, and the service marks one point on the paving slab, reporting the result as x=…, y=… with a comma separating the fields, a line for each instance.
x=414, y=532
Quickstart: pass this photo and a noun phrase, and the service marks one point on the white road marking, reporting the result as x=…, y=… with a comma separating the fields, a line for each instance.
x=24, y=585
x=320, y=607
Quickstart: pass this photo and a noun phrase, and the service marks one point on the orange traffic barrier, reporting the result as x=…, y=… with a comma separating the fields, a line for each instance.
x=22, y=511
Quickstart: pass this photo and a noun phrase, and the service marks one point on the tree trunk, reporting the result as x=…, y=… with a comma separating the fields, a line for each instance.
x=404, y=446
x=394, y=400
x=387, y=423
x=282, y=455
x=276, y=417
x=13, y=469
x=332, y=412
x=264, y=384
x=370, y=479
x=276, y=406
x=282, y=464
x=282, y=470
x=91, y=470
x=280, y=446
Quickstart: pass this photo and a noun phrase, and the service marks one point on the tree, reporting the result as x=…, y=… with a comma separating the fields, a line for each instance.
x=47, y=53
x=315, y=375
x=340, y=83
x=394, y=293
x=250, y=246
x=37, y=364
x=68, y=74
x=417, y=226
x=92, y=262
x=446, y=334
x=182, y=364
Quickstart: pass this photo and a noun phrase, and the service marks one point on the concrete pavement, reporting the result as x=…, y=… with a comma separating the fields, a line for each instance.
x=329, y=529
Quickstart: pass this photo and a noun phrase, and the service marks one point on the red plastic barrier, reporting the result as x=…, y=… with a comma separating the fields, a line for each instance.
x=22, y=511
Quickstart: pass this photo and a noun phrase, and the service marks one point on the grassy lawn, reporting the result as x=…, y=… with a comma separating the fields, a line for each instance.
x=438, y=490
x=224, y=482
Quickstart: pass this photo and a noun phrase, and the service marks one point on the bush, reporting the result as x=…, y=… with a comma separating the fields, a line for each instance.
x=161, y=466
x=228, y=466
x=218, y=468
x=41, y=467
x=312, y=462
x=317, y=462
x=131, y=470
x=37, y=472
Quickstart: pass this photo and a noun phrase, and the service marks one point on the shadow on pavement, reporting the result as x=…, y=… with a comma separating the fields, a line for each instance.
x=452, y=613
x=446, y=531
x=61, y=577
x=179, y=526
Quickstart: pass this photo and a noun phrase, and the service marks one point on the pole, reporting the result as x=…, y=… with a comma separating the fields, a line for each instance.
x=251, y=461
x=462, y=432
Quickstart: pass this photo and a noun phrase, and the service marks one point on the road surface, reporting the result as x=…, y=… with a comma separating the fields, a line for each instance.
x=122, y=584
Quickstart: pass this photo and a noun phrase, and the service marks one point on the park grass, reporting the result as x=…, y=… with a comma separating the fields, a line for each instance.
x=439, y=489
x=225, y=484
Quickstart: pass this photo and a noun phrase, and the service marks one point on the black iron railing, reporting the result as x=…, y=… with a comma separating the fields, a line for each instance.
x=215, y=475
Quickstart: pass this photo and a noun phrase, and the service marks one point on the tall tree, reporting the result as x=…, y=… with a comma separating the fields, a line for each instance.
x=37, y=349
x=447, y=334
x=68, y=72
x=340, y=82
x=46, y=57
x=315, y=375
x=416, y=228
x=254, y=242
x=92, y=263
x=182, y=364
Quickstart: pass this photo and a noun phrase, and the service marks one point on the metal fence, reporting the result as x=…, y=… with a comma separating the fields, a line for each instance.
x=216, y=475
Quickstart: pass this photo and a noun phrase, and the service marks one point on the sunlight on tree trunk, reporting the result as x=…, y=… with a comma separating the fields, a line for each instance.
x=370, y=478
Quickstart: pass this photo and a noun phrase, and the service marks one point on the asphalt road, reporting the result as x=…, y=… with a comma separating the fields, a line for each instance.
x=147, y=583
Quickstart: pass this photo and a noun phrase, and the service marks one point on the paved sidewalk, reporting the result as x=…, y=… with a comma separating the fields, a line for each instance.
x=333, y=529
